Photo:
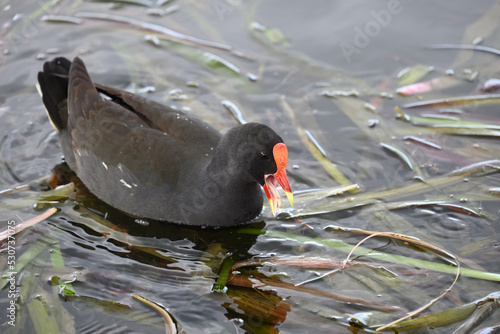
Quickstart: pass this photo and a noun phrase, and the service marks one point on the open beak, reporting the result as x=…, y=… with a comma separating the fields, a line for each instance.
x=280, y=153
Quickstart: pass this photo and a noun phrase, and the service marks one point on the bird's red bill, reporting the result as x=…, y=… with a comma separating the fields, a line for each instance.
x=280, y=153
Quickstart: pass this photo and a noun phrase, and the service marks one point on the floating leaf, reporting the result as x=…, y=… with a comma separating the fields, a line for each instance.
x=66, y=289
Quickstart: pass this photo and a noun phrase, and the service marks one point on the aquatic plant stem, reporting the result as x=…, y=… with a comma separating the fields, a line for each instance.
x=378, y=255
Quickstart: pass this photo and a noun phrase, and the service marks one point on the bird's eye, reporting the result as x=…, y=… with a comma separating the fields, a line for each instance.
x=264, y=155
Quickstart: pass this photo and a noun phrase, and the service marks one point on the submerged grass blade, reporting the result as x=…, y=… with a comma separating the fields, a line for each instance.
x=483, y=310
x=66, y=289
x=465, y=47
x=12, y=190
x=412, y=74
x=169, y=324
x=441, y=122
x=225, y=270
x=44, y=8
x=211, y=30
x=455, y=101
x=450, y=125
x=411, y=240
x=29, y=285
x=144, y=3
x=131, y=62
x=320, y=155
x=5, y=234
x=423, y=142
x=101, y=225
x=153, y=28
x=64, y=318
x=234, y=110
x=465, y=131
x=297, y=261
x=433, y=85
x=214, y=62
x=381, y=256
x=315, y=194
x=437, y=319
x=477, y=309
x=43, y=319
x=478, y=168
x=104, y=303
x=316, y=150
x=382, y=197
x=296, y=59
x=60, y=193
x=266, y=306
x=270, y=284
x=440, y=203
x=24, y=260
x=406, y=159
x=273, y=35
x=61, y=19
x=315, y=142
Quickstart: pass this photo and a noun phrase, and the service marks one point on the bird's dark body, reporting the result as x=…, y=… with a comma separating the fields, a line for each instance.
x=153, y=161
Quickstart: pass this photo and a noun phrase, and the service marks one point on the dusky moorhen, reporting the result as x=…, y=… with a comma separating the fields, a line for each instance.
x=152, y=161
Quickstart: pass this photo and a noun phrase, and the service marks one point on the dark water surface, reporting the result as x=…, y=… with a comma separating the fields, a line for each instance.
x=322, y=71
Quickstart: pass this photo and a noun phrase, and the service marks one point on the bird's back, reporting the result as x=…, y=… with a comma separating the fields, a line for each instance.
x=127, y=150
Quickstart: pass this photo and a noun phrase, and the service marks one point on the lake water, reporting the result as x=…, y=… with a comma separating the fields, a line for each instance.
x=324, y=75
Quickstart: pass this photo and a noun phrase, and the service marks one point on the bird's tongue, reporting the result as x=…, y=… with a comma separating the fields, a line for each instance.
x=280, y=153
x=272, y=192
